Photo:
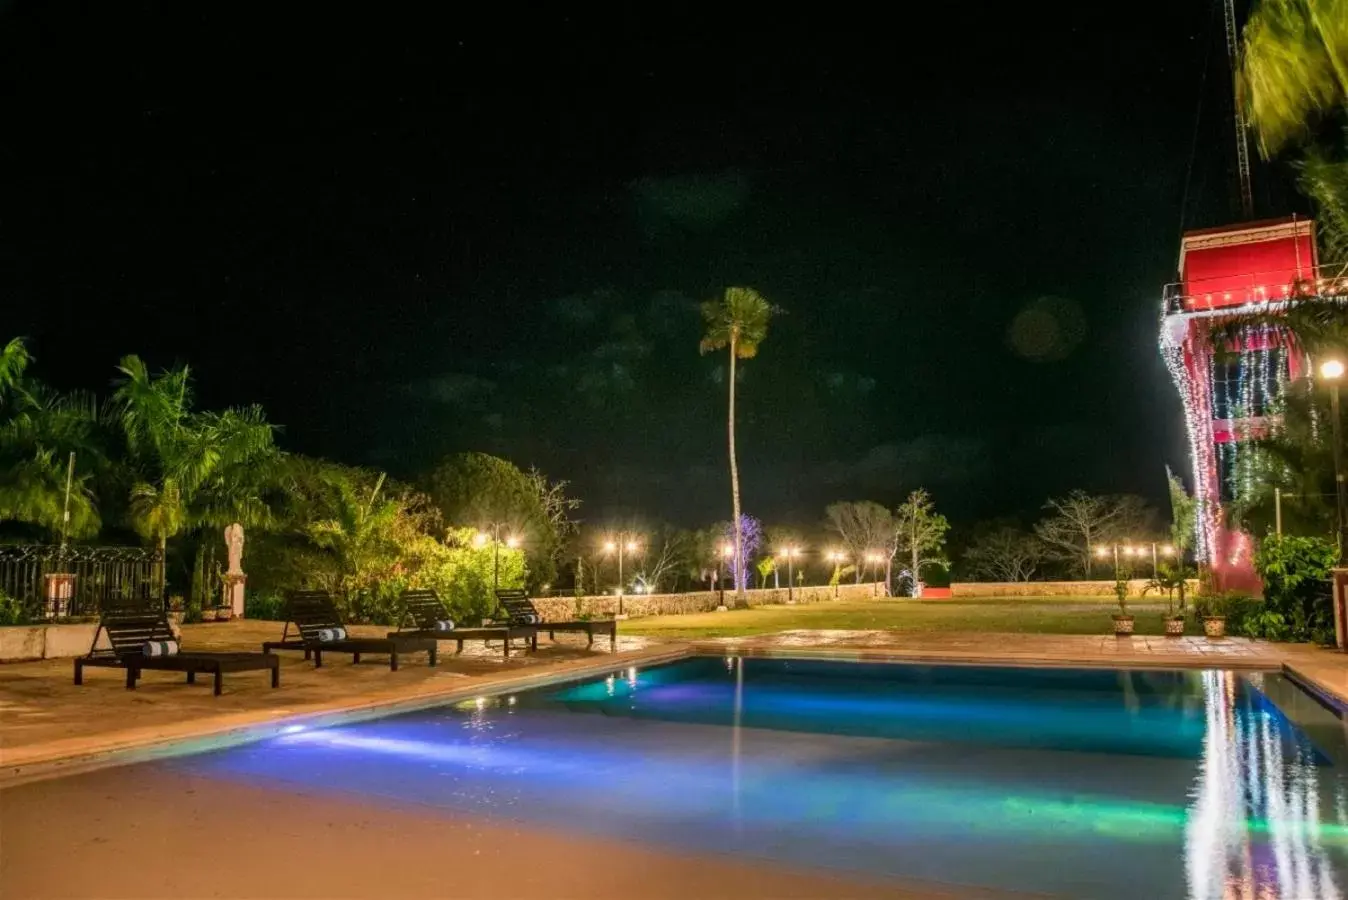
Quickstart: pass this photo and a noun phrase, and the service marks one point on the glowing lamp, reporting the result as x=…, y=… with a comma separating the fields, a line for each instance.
x=512, y=542
x=1331, y=368
x=609, y=546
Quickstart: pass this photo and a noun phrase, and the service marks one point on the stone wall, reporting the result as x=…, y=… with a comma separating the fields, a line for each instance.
x=23, y=642
x=1052, y=589
x=604, y=605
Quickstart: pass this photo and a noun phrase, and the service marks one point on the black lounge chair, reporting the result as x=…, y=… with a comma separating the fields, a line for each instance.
x=424, y=611
x=520, y=610
x=128, y=632
x=312, y=613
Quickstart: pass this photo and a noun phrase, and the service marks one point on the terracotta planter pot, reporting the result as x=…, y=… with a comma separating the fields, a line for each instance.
x=224, y=614
x=1174, y=627
x=208, y=615
x=1215, y=626
x=1123, y=626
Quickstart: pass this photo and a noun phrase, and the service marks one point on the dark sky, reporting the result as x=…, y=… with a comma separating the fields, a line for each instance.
x=407, y=235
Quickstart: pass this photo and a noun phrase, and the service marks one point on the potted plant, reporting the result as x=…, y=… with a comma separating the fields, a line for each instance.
x=1123, y=622
x=1214, y=621
x=1170, y=580
x=224, y=613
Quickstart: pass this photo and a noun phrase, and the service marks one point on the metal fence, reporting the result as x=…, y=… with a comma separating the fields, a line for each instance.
x=49, y=582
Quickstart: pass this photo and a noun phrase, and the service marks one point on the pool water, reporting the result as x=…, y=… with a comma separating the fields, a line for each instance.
x=1082, y=783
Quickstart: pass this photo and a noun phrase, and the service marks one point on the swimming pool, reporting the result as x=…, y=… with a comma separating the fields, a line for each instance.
x=1092, y=783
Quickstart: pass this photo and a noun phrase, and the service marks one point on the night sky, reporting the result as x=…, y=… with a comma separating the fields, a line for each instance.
x=407, y=235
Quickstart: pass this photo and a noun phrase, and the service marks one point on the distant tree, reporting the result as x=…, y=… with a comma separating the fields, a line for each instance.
x=478, y=490
x=864, y=528
x=750, y=533
x=1081, y=521
x=557, y=509
x=1005, y=553
x=669, y=556
x=738, y=321
x=779, y=539
x=920, y=536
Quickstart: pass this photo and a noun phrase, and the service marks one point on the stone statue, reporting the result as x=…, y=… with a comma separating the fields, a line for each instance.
x=234, y=541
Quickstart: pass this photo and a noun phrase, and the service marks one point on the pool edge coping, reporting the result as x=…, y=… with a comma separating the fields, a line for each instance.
x=214, y=734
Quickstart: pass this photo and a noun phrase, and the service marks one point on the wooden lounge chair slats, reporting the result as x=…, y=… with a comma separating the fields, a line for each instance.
x=519, y=609
x=423, y=611
x=128, y=631
x=313, y=612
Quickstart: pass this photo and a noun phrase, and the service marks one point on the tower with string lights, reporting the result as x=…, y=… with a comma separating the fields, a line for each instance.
x=1230, y=389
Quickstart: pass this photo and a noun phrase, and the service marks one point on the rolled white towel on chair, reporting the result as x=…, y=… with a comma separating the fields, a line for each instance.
x=331, y=634
x=444, y=625
x=160, y=648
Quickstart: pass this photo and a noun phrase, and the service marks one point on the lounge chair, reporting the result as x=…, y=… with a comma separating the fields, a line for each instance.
x=131, y=632
x=520, y=610
x=320, y=629
x=425, y=614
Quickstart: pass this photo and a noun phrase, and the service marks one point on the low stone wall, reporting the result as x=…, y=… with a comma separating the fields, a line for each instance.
x=23, y=642
x=602, y=605
x=1052, y=589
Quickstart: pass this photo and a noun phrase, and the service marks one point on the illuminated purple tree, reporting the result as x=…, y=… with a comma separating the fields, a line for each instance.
x=752, y=534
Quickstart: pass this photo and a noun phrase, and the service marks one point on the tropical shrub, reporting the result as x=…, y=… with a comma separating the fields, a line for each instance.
x=1298, y=593
x=12, y=611
x=265, y=605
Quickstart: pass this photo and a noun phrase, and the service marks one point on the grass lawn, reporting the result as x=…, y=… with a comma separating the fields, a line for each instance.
x=1044, y=615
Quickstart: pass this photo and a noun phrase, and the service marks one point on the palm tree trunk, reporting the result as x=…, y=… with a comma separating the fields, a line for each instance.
x=741, y=600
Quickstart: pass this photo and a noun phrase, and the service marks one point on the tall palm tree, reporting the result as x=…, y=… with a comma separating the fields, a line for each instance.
x=192, y=469
x=358, y=533
x=14, y=360
x=1294, y=66
x=739, y=321
x=39, y=430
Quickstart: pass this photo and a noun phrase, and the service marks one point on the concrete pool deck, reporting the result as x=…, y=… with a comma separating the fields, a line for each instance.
x=49, y=726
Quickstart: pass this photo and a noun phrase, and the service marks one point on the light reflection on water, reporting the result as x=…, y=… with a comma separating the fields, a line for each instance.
x=1247, y=778
x=1133, y=784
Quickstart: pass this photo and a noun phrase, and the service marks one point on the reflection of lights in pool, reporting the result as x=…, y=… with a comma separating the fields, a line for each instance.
x=292, y=729
x=511, y=700
x=610, y=683
x=480, y=702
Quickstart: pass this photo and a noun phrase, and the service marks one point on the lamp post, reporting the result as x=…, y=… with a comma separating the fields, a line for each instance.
x=1164, y=550
x=1104, y=550
x=1332, y=371
x=495, y=537
x=790, y=553
x=623, y=543
x=874, y=559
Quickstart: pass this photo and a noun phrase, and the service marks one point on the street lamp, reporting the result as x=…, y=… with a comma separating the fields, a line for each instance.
x=480, y=540
x=623, y=543
x=1105, y=550
x=727, y=552
x=1156, y=548
x=837, y=557
x=1332, y=371
x=790, y=553
x=874, y=559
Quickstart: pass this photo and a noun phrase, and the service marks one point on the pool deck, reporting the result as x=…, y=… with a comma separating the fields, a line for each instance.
x=49, y=726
